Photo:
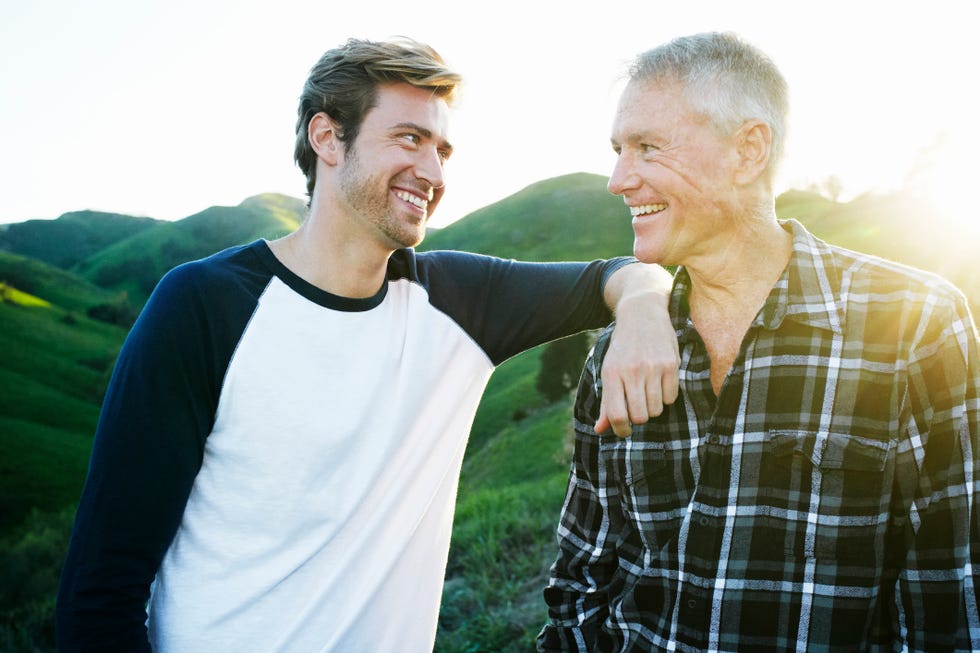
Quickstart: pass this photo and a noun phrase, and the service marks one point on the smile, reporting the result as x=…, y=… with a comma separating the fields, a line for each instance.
x=646, y=209
x=412, y=199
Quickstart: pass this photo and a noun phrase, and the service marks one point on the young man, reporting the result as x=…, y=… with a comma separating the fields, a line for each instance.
x=814, y=487
x=279, y=448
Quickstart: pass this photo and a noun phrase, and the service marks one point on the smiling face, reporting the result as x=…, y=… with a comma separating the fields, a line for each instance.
x=675, y=172
x=391, y=177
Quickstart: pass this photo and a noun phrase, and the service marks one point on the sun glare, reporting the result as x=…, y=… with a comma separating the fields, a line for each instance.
x=946, y=179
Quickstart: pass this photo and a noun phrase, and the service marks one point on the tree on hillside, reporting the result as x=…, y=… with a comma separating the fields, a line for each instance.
x=561, y=365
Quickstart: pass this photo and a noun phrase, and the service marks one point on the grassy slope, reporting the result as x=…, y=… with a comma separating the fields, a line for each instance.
x=52, y=375
x=52, y=284
x=135, y=264
x=516, y=466
x=569, y=218
x=70, y=238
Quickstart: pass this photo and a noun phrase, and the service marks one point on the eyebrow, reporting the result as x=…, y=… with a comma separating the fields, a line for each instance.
x=650, y=137
x=424, y=132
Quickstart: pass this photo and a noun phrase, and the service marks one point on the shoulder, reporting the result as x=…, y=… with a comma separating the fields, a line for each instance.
x=239, y=267
x=862, y=278
x=886, y=300
x=437, y=262
x=229, y=281
x=886, y=286
x=860, y=271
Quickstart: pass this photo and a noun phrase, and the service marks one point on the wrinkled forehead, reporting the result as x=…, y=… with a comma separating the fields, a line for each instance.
x=649, y=102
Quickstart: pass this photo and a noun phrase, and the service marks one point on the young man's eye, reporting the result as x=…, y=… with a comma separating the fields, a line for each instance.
x=414, y=139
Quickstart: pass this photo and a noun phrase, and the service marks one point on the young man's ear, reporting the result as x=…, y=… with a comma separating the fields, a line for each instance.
x=323, y=136
x=753, y=141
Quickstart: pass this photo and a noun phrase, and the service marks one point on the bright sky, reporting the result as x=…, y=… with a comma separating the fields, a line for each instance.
x=165, y=107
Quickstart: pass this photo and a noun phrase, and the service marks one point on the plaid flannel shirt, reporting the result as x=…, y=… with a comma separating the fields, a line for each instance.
x=825, y=500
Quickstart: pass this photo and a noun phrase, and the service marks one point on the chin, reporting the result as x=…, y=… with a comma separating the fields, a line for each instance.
x=647, y=254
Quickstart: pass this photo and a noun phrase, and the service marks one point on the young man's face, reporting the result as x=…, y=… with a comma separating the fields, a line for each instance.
x=675, y=173
x=392, y=174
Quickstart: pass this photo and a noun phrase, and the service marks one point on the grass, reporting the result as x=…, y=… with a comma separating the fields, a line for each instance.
x=61, y=350
x=31, y=558
x=50, y=284
x=43, y=468
x=510, y=495
x=54, y=364
x=513, y=395
x=10, y=295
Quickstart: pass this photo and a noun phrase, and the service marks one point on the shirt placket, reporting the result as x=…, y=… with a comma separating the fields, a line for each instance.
x=693, y=606
x=709, y=502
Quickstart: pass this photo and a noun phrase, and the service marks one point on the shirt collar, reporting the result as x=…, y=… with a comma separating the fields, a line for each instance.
x=807, y=292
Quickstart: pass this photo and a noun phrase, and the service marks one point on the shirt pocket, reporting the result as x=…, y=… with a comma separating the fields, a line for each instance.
x=654, y=492
x=824, y=495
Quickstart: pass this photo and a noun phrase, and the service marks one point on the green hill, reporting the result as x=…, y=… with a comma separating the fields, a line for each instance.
x=135, y=264
x=65, y=241
x=51, y=283
x=571, y=218
x=54, y=365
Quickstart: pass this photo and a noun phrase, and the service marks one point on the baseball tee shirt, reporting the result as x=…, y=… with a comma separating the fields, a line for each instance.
x=275, y=467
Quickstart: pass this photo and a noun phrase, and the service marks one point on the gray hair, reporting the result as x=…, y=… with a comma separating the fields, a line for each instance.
x=726, y=79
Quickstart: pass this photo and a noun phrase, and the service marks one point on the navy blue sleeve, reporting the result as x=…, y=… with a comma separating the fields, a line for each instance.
x=157, y=413
x=510, y=306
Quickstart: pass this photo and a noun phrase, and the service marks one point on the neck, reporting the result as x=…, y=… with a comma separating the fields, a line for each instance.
x=728, y=290
x=735, y=280
x=321, y=253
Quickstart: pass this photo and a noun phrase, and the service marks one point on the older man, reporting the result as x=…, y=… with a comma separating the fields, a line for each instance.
x=814, y=486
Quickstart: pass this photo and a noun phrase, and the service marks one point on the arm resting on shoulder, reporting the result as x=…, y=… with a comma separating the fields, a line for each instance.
x=639, y=373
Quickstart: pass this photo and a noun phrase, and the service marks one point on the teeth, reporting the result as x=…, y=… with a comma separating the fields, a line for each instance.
x=646, y=208
x=412, y=199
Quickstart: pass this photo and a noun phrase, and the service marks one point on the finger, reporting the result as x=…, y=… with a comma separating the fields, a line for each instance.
x=669, y=384
x=655, y=404
x=622, y=429
x=613, y=407
x=636, y=400
x=602, y=424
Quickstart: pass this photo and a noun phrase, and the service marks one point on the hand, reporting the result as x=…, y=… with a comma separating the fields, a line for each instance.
x=639, y=371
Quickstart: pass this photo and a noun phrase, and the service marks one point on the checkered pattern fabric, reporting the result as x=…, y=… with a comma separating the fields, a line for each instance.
x=824, y=500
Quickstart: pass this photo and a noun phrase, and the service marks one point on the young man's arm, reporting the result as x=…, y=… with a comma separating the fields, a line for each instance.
x=511, y=306
x=147, y=450
x=639, y=372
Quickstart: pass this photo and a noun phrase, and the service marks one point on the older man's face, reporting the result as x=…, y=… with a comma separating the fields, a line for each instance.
x=675, y=173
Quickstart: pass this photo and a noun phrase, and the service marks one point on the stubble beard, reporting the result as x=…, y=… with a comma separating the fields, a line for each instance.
x=368, y=197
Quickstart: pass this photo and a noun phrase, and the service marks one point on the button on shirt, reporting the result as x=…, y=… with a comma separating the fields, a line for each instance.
x=824, y=500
